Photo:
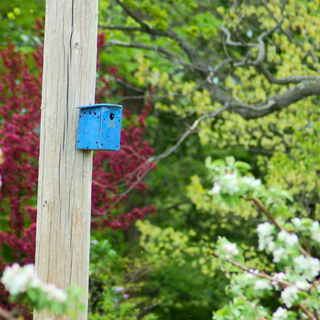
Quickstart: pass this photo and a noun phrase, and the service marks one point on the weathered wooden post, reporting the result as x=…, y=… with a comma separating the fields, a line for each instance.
x=64, y=194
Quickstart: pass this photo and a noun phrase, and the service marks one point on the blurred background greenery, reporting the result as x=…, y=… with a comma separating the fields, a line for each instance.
x=160, y=267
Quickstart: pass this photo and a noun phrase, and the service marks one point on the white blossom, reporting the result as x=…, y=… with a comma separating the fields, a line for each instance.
x=314, y=226
x=289, y=295
x=59, y=295
x=299, y=262
x=310, y=267
x=292, y=240
x=249, y=276
x=265, y=229
x=279, y=276
x=230, y=183
x=55, y=293
x=35, y=282
x=280, y=314
x=15, y=278
x=315, y=231
x=251, y=182
x=303, y=285
x=278, y=254
x=18, y=279
x=271, y=246
x=263, y=242
x=282, y=236
x=216, y=188
x=288, y=238
x=296, y=222
x=231, y=248
x=262, y=285
x=314, y=267
x=265, y=234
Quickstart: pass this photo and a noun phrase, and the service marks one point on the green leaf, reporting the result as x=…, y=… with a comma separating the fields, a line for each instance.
x=33, y=294
x=242, y=166
x=218, y=163
x=230, y=160
x=286, y=195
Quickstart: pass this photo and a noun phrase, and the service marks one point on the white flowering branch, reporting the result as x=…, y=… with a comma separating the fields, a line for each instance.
x=24, y=285
x=298, y=284
x=259, y=274
x=256, y=273
x=272, y=219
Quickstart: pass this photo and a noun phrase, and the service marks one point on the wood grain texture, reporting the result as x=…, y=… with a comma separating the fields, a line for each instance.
x=65, y=173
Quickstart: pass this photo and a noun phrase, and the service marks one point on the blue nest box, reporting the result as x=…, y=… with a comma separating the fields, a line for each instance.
x=99, y=127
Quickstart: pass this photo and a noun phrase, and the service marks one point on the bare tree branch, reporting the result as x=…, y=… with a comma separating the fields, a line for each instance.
x=166, y=52
x=136, y=18
x=154, y=96
x=128, y=85
x=278, y=25
x=288, y=34
x=262, y=209
x=275, y=103
x=184, y=45
x=139, y=177
x=122, y=28
x=274, y=19
x=260, y=45
x=306, y=85
x=132, y=186
x=236, y=44
x=169, y=54
x=291, y=79
x=263, y=275
x=189, y=131
x=148, y=308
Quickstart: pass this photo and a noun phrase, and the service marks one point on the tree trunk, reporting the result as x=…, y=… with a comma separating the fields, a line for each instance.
x=65, y=173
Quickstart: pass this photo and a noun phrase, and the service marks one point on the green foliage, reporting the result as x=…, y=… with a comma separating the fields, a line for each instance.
x=179, y=268
x=111, y=296
x=18, y=20
x=112, y=308
x=202, y=204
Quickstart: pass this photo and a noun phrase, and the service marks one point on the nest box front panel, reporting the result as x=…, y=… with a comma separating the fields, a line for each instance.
x=89, y=128
x=110, y=128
